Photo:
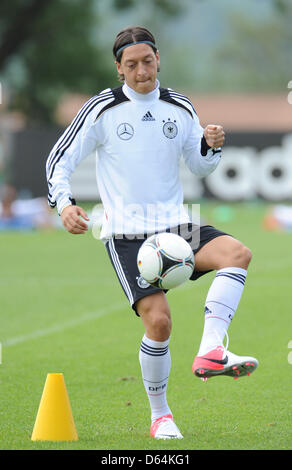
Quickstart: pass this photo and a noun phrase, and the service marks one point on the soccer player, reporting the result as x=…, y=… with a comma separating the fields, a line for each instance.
x=140, y=130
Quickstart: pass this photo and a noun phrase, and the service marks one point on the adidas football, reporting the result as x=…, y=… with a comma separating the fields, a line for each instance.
x=165, y=260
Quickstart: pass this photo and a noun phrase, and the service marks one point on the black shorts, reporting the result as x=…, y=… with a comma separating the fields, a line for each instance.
x=123, y=255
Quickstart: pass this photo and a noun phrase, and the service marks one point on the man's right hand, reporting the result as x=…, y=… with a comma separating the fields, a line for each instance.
x=71, y=219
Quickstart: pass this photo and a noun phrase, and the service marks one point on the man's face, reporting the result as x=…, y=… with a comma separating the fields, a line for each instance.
x=139, y=66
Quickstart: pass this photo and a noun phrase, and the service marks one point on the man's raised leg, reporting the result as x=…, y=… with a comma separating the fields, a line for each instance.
x=230, y=258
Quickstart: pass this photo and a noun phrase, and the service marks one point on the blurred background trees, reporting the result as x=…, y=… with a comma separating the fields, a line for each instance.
x=52, y=47
x=47, y=48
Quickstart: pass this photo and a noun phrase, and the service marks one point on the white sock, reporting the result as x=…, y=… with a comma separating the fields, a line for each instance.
x=155, y=362
x=221, y=303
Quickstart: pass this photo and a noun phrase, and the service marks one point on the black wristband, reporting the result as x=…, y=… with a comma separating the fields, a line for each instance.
x=204, y=146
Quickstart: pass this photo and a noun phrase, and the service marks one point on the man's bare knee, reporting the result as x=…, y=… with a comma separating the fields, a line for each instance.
x=223, y=252
x=155, y=314
x=242, y=256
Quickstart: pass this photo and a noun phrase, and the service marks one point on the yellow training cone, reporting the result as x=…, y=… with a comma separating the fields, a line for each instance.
x=54, y=421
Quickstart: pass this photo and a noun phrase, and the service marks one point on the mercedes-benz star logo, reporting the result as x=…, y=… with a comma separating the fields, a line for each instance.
x=125, y=131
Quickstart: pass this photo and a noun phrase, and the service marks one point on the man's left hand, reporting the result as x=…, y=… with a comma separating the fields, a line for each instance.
x=214, y=135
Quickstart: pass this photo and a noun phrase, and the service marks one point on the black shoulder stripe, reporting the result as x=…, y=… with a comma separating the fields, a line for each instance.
x=166, y=96
x=119, y=97
x=179, y=96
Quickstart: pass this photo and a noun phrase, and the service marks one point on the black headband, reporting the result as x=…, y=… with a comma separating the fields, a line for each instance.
x=132, y=44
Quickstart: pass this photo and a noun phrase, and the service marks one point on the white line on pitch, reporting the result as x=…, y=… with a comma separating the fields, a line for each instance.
x=63, y=326
x=72, y=323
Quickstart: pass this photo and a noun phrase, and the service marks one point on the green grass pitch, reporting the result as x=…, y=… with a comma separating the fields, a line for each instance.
x=62, y=310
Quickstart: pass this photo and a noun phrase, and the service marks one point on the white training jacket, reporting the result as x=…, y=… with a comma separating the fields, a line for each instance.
x=139, y=140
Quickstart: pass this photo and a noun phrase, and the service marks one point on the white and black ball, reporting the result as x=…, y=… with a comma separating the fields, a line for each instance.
x=166, y=260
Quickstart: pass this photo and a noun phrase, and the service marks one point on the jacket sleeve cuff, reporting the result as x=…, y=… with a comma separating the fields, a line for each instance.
x=65, y=202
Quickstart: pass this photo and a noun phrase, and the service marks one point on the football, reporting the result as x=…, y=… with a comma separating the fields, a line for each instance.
x=165, y=260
